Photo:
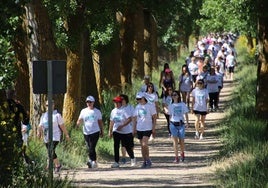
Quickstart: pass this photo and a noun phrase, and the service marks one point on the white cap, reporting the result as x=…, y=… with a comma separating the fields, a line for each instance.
x=90, y=98
x=139, y=95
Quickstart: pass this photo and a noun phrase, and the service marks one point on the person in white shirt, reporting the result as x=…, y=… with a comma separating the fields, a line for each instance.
x=91, y=118
x=120, y=130
x=185, y=84
x=57, y=127
x=177, y=110
x=213, y=89
x=200, y=99
x=230, y=64
x=144, y=122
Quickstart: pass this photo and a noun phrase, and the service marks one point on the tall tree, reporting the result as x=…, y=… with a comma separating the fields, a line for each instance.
x=262, y=86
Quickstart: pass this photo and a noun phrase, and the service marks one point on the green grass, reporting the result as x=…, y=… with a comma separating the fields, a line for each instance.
x=245, y=151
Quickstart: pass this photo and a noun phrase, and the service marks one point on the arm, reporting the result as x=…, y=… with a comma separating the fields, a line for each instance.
x=100, y=123
x=154, y=125
x=125, y=123
x=63, y=128
x=134, y=119
x=111, y=129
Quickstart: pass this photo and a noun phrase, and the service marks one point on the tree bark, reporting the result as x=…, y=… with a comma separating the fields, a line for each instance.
x=138, y=47
x=147, y=43
x=262, y=80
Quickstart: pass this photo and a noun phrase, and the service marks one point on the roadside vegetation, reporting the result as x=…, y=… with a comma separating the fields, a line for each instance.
x=244, y=157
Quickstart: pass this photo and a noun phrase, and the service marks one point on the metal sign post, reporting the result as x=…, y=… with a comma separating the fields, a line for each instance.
x=50, y=122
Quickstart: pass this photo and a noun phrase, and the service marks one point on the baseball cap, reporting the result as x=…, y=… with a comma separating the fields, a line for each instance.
x=139, y=95
x=146, y=77
x=168, y=70
x=90, y=98
x=117, y=99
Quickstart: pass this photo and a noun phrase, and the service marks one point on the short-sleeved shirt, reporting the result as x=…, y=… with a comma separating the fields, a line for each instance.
x=57, y=120
x=119, y=116
x=90, y=119
x=177, y=111
x=201, y=96
x=144, y=113
x=212, y=83
x=185, y=83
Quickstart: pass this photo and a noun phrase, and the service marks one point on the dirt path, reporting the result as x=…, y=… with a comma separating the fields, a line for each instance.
x=195, y=171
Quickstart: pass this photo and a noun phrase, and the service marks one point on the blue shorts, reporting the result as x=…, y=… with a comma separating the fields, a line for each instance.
x=177, y=131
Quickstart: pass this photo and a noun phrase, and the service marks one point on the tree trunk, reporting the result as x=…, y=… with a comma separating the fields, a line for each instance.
x=153, y=40
x=147, y=43
x=250, y=44
x=40, y=46
x=262, y=80
x=88, y=80
x=138, y=48
x=127, y=39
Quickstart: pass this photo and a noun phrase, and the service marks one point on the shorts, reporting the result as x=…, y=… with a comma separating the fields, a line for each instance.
x=141, y=134
x=231, y=69
x=177, y=131
x=203, y=113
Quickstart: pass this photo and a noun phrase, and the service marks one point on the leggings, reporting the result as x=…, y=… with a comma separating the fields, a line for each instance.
x=55, y=143
x=91, y=142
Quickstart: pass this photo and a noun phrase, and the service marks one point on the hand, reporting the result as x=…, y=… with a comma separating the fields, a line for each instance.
x=67, y=137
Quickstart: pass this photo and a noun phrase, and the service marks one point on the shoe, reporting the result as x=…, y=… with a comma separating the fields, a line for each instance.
x=133, y=162
x=94, y=164
x=196, y=135
x=148, y=163
x=176, y=160
x=143, y=164
x=123, y=160
x=201, y=137
x=182, y=157
x=57, y=169
x=89, y=164
x=151, y=139
x=115, y=165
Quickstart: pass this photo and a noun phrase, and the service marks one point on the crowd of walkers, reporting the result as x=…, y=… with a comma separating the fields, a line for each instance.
x=196, y=89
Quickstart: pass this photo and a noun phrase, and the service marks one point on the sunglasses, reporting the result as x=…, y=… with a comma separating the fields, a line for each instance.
x=138, y=99
x=174, y=95
x=200, y=83
x=89, y=101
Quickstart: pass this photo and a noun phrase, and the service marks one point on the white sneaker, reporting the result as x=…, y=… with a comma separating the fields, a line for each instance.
x=115, y=165
x=196, y=135
x=201, y=137
x=133, y=162
x=94, y=164
x=151, y=139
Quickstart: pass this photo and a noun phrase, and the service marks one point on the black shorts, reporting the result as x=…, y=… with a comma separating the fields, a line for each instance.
x=141, y=134
x=202, y=113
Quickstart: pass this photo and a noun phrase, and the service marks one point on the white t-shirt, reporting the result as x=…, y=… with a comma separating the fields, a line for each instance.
x=144, y=115
x=56, y=122
x=212, y=83
x=119, y=116
x=177, y=111
x=201, y=96
x=185, y=83
x=90, y=119
x=193, y=68
x=230, y=61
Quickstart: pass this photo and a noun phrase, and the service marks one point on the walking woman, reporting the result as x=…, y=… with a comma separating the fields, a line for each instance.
x=200, y=99
x=144, y=121
x=185, y=85
x=177, y=110
x=120, y=130
x=57, y=127
x=167, y=100
x=91, y=118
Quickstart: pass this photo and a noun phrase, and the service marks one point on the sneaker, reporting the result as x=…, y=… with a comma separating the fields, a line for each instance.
x=89, y=164
x=201, y=137
x=57, y=169
x=115, y=165
x=143, y=164
x=148, y=163
x=94, y=164
x=182, y=157
x=176, y=160
x=123, y=160
x=151, y=139
x=133, y=162
x=196, y=135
